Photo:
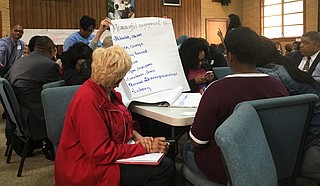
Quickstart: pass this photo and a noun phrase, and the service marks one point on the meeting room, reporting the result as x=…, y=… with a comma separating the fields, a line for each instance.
x=160, y=92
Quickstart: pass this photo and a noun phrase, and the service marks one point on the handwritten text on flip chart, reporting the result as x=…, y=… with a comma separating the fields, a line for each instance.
x=150, y=42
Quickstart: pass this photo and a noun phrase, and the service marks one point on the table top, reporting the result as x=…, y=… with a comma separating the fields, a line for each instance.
x=170, y=115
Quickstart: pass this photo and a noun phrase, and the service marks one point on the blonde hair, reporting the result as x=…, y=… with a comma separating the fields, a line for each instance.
x=109, y=66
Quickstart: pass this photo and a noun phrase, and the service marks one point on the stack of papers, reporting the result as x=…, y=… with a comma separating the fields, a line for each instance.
x=147, y=159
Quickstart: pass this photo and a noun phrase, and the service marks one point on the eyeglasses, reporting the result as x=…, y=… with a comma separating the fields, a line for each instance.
x=20, y=31
x=88, y=30
x=202, y=60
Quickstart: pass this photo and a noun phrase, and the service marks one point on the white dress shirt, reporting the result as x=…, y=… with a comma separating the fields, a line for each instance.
x=305, y=58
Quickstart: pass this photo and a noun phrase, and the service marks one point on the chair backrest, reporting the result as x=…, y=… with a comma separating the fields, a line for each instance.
x=54, y=84
x=11, y=106
x=221, y=72
x=245, y=149
x=55, y=104
x=285, y=121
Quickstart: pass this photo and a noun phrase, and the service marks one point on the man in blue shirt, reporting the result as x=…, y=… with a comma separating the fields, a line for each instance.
x=11, y=49
x=87, y=25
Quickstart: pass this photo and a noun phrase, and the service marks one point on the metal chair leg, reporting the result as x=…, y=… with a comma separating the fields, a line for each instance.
x=11, y=149
x=9, y=142
x=7, y=150
x=24, y=155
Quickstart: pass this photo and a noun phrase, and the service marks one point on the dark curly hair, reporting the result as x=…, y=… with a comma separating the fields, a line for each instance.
x=189, y=52
x=74, y=53
x=244, y=43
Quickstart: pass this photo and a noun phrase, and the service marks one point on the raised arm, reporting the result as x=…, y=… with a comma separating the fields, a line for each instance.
x=104, y=25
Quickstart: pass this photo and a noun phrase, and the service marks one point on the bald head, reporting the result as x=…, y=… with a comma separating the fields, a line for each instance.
x=45, y=45
x=16, y=32
x=107, y=42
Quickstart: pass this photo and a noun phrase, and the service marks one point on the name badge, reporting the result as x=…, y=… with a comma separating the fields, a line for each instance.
x=19, y=47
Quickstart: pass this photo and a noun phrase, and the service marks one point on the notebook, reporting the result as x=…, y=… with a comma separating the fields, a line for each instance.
x=146, y=159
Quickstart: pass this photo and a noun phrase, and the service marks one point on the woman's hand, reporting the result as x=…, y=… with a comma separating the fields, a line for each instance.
x=159, y=144
x=209, y=76
x=219, y=33
x=146, y=142
x=200, y=79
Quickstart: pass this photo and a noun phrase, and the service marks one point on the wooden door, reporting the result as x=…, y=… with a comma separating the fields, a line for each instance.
x=212, y=27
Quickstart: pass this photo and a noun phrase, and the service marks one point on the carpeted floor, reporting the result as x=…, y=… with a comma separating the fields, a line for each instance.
x=36, y=171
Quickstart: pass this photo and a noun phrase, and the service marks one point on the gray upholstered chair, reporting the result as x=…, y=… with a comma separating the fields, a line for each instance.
x=54, y=84
x=193, y=179
x=55, y=104
x=14, y=121
x=285, y=122
x=245, y=150
x=221, y=72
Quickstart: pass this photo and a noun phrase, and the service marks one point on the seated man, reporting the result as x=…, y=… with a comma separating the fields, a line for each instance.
x=201, y=154
x=27, y=76
x=87, y=25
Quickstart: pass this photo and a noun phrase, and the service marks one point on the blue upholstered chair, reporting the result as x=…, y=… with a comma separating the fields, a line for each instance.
x=221, y=72
x=54, y=84
x=55, y=104
x=12, y=110
x=285, y=122
x=245, y=150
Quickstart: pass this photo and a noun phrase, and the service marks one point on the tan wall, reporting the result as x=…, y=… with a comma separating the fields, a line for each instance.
x=4, y=8
x=311, y=15
x=251, y=15
x=211, y=9
x=249, y=12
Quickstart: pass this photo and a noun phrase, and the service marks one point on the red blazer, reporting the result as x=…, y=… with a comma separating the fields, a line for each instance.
x=94, y=136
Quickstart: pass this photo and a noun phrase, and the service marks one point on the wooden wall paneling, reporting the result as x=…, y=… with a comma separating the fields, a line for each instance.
x=52, y=13
x=63, y=14
x=186, y=18
x=29, y=17
x=77, y=15
x=43, y=14
x=16, y=16
x=24, y=16
x=100, y=8
x=140, y=8
x=94, y=11
x=85, y=10
x=88, y=9
x=36, y=14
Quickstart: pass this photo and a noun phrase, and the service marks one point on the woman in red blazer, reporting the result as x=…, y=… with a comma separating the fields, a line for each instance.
x=97, y=131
